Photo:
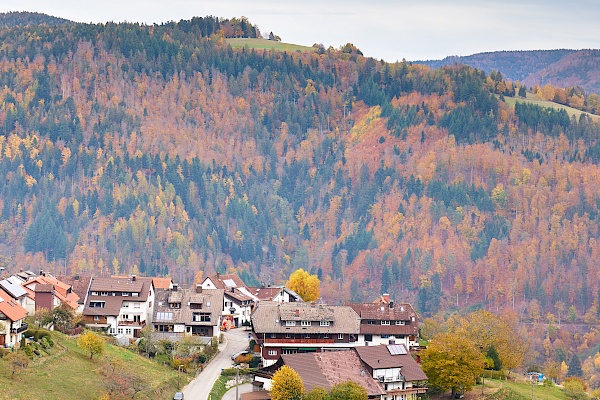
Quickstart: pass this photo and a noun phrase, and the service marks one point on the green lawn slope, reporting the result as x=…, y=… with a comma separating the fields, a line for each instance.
x=68, y=373
x=543, y=103
x=264, y=44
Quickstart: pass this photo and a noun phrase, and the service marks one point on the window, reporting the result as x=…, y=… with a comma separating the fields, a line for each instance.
x=164, y=316
x=324, y=323
x=125, y=317
x=290, y=323
x=288, y=335
x=111, y=331
x=201, y=317
x=370, y=322
x=96, y=318
x=273, y=336
x=399, y=322
x=125, y=294
x=120, y=331
x=272, y=352
x=307, y=336
x=340, y=336
x=385, y=322
x=136, y=305
x=96, y=304
x=385, y=336
x=128, y=331
x=289, y=351
x=135, y=294
x=103, y=293
x=125, y=305
x=368, y=338
x=175, y=305
x=94, y=293
x=305, y=323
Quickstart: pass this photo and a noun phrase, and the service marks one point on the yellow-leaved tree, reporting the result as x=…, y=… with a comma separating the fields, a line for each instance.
x=91, y=343
x=305, y=284
x=287, y=385
x=452, y=362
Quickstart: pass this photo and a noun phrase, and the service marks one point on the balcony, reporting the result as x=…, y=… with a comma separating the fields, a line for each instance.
x=300, y=341
x=131, y=323
x=20, y=329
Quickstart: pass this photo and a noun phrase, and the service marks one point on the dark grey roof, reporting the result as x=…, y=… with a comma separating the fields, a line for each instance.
x=380, y=357
x=269, y=317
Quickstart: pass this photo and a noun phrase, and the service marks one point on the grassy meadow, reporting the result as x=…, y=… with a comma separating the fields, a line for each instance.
x=543, y=103
x=66, y=372
x=264, y=44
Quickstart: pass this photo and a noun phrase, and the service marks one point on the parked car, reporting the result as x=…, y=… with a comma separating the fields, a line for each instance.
x=178, y=396
x=239, y=353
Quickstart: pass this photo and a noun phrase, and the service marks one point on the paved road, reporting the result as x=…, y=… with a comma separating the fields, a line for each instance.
x=230, y=394
x=199, y=388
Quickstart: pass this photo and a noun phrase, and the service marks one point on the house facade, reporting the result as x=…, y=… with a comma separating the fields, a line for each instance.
x=238, y=301
x=120, y=305
x=184, y=312
x=385, y=322
x=289, y=328
x=12, y=320
x=49, y=292
x=393, y=366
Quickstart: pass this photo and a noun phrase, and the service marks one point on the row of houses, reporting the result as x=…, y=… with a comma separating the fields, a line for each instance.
x=124, y=305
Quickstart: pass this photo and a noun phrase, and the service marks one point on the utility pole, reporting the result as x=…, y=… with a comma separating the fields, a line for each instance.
x=237, y=378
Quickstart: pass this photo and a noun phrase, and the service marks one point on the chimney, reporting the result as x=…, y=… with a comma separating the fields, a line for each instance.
x=232, y=290
x=133, y=278
x=297, y=312
x=175, y=287
x=391, y=305
x=198, y=288
x=76, y=277
x=392, y=341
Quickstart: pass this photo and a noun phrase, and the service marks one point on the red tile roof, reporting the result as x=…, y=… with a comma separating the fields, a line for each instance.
x=11, y=308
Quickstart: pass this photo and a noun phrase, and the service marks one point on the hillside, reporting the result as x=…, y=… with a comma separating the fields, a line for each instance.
x=161, y=150
x=67, y=373
x=12, y=19
x=560, y=68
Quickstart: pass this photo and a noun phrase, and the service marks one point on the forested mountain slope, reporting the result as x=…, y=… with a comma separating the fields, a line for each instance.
x=12, y=19
x=160, y=150
x=560, y=68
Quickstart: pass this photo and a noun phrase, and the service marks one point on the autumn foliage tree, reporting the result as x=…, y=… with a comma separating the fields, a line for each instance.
x=91, y=343
x=452, y=362
x=305, y=284
x=287, y=385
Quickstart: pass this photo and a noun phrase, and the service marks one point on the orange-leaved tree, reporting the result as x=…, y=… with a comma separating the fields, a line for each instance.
x=305, y=284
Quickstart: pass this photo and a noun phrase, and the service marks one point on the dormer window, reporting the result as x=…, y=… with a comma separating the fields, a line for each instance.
x=290, y=323
x=399, y=322
x=385, y=322
x=305, y=323
x=175, y=305
x=324, y=323
x=103, y=293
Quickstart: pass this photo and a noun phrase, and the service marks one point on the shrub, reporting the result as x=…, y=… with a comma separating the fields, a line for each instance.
x=28, y=350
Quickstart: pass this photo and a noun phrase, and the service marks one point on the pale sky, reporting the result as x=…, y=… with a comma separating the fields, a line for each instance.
x=384, y=29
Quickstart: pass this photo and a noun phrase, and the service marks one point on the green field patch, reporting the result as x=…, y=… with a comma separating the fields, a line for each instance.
x=67, y=372
x=511, y=101
x=264, y=44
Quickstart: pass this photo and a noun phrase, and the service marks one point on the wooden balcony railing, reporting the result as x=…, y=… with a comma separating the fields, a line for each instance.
x=300, y=341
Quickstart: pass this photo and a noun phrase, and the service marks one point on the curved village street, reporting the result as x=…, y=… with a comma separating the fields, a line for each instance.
x=199, y=388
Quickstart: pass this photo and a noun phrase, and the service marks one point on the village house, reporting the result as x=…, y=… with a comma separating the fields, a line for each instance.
x=387, y=372
x=289, y=328
x=278, y=294
x=12, y=320
x=49, y=292
x=238, y=301
x=385, y=322
x=395, y=368
x=120, y=305
x=181, y=312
